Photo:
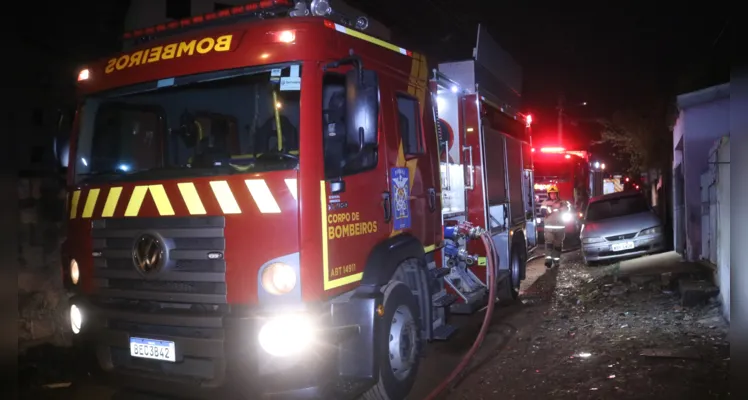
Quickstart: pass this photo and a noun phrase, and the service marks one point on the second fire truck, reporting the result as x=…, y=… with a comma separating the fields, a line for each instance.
x=268, y=199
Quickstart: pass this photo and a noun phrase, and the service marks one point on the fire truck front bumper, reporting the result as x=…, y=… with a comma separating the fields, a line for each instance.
x=323, y=352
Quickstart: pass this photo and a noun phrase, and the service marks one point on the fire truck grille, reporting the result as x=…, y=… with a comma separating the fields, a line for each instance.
x=184, y=302
x=189, y=276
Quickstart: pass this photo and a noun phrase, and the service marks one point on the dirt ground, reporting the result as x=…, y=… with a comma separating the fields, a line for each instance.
x=576, y=333
x=580, y=333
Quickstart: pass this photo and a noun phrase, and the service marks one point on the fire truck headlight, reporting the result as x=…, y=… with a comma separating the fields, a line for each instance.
x=287, y=335
x=279, y=278
x=76, y=319
x=74, y=272
x=567, y=217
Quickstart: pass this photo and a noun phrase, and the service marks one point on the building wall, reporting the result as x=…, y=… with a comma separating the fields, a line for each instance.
x=722, y=159
x=702, y=120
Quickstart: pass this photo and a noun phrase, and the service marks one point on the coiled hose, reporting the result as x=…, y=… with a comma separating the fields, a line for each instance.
x=490, y=258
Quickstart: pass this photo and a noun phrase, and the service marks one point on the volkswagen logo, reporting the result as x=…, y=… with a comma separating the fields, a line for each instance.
x=148, y=254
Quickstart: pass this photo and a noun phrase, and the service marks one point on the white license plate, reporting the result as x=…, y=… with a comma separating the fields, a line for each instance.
x=153, y=349
x=622, y=246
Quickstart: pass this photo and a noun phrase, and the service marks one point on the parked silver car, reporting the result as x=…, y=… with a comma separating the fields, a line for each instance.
x=619, y=225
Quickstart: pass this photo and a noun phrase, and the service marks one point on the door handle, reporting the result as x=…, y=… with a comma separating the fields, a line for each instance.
x=432, y=199
x=469, y=169
x=387, y=206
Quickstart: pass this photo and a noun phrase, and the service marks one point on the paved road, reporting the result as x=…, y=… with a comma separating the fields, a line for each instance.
x=439, y=360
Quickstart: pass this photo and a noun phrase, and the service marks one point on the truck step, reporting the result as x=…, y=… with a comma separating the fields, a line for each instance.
x=444, y=332
x=445, y=300
x=437, y=273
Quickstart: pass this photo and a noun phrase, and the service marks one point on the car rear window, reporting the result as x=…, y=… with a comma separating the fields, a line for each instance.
x=619, y=207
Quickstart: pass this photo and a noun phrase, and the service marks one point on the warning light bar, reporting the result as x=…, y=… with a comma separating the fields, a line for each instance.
x=251, y=8
x=552, y=150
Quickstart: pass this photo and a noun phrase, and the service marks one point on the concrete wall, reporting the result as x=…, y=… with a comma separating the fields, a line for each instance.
x=703, y=118
x=720, y=162
x=42, y=302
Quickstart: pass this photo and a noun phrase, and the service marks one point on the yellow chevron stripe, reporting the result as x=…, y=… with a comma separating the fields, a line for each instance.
x=191, y=198
x=163, y=205
x=88, y=209
x=74, y=204
x=136, y=200
x=111, y=201
x=260, y=193
x=225, y=198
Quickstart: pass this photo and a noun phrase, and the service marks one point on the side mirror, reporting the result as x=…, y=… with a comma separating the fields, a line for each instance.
x=362, y=107
x=61, y=144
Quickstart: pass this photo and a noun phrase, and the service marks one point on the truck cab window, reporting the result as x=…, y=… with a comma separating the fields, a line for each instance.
x=341, y=158
x=410, y=125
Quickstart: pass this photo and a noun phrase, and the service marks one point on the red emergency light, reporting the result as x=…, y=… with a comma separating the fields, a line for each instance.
x=258, y=6
x=552, y=150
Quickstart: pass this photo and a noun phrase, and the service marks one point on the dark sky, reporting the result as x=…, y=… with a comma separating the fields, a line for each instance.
x=614, y=55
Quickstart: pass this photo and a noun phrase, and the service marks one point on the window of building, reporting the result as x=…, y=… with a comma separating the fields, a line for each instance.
x=409, y=122
x=178, y=9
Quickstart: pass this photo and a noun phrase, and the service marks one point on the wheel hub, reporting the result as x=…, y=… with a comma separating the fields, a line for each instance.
x=402, y=342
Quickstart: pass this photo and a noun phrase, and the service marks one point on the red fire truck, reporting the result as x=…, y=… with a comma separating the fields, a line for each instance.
x=223, y=237
x=571, y=172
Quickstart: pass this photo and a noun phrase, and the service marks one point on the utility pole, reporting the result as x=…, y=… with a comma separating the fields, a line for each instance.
x=560, y=119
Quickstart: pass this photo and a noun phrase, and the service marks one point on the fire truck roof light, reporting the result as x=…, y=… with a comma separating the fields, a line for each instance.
x=552, y=150
x=567, y=156
x=257, y=6
x=83, y=75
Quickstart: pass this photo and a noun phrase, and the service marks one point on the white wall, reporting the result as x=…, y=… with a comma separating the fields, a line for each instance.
x=704, y=118
x=723, y=231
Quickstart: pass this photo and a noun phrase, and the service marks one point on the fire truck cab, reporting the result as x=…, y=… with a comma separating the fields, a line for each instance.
x=268, y=200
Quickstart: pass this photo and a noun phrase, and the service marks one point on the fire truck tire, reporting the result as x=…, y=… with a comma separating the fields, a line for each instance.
x=508, y=290
x=399, y=344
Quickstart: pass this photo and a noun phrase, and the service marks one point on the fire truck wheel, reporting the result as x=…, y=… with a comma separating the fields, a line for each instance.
x=509, y=288
x=400, y=345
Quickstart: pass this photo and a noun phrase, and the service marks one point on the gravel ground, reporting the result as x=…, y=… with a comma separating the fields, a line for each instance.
x=584, y=333
x=577, y=333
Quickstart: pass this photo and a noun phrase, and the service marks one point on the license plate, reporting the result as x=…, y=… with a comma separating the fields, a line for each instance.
x=622, y=246
x=162, y=350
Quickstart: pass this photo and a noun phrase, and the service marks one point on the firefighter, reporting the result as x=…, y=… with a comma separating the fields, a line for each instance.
x=554, y=230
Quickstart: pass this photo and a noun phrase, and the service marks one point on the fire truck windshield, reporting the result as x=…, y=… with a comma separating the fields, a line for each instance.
x=558, y=172
x=198, y=125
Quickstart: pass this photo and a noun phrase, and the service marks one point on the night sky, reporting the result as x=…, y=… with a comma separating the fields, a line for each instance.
x=613, y=55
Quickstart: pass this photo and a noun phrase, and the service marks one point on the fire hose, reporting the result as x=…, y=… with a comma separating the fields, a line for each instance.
x=490, y=260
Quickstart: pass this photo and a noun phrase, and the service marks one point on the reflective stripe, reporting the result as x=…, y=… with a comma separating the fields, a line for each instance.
x=225, y=198
x=74, y=204
x=370, y=39
x=292, y=187
x=261, y=195
x=88, y=209
x=111, y=201
x=136, y=200
x=555, y=227
x=191, y=198
x=163, y=205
